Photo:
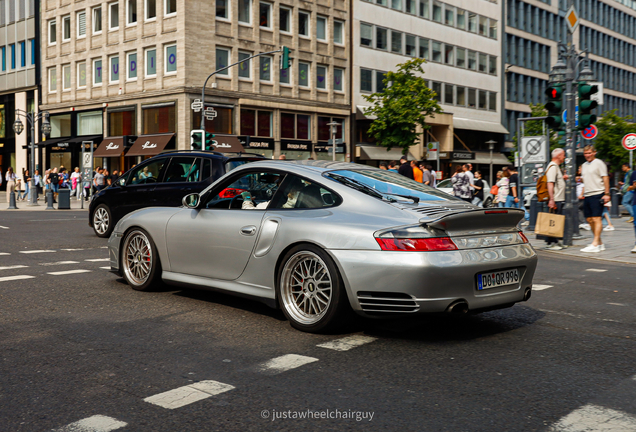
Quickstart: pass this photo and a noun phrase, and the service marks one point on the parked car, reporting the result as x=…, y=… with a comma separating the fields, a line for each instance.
x=447, y=186
x=159, y=181
x=320, y=239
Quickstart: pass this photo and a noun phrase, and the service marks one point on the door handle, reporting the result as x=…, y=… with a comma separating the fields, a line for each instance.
x=248, y=230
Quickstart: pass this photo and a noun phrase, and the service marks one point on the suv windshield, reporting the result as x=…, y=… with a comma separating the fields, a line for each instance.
x=386, y=185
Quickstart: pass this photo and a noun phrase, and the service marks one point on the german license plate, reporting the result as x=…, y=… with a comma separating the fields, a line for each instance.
x=497, y=279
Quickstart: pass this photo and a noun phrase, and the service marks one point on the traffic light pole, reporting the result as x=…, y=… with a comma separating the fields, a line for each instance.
x=570, y=209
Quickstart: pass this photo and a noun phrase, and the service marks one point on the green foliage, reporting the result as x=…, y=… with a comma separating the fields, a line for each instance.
x=611, y=130
x=403, y=105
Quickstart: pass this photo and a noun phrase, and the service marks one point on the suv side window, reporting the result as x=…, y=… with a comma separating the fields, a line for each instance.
x=183, y=169
x=146, y=173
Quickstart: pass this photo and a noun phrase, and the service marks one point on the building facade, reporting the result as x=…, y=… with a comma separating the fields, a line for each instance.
x=462, y=44
x=132, y=68
x=19, y=78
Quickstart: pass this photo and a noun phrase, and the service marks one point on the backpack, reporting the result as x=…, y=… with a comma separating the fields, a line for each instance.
x=55, y=178
x=542, y=186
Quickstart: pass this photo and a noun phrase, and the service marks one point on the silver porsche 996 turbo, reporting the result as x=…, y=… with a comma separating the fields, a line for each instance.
x=321, y=239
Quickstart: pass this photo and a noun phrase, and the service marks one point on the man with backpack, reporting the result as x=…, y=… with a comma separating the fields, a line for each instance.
x=555, y=185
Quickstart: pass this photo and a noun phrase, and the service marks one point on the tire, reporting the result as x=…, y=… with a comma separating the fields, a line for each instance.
x=103, y=223
x=140, y=262
x=310, y=290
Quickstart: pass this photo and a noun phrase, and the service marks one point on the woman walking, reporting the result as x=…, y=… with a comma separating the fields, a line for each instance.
x=27, y=186
x=10, y=178
x=504, y=187
x=76, y=183
x=461, y=184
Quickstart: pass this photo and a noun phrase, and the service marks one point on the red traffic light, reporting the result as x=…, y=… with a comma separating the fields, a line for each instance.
x=554, y=93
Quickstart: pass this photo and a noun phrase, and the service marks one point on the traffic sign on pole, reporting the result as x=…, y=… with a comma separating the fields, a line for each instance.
x=629, y=142
x=589, y=132
x=196, y=105
x=572, y=19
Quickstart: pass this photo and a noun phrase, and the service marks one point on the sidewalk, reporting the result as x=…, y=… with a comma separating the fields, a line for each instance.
x=618, y=244
x=24, y=205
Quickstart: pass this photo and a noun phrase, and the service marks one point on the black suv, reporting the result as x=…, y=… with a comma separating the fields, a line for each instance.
x=161, y=181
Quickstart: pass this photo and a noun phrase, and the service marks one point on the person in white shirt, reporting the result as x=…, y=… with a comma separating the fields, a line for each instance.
x=596, y=194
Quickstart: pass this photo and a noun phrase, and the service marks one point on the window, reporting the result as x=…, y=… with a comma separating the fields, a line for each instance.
x=12, y=46
x=131, y=12
x=66, y=28
x=461, y=96
x=256, y=123
x=303, y=23
x=492, y=101
x=324, y=130
x=321, y=28
x=147, y=173
x=284, y=76
x=171, y=59
x=461, y=19
x=81, y=24
x=303, y=74
x=151, y=10
x=131, y=69
x=483, y=25
x=396, y=4
x=265, y=15
x=379, y=81
x=285, y=19
x=97, y=20
x=424, y=9
x=22, y=54
x=222, y=60
x=321, y=77
x=492, y=65
x=114, y=69
x=338, y=79
x=410, y=46
x=295, y=126
x=170, y=7
x=265, y=68
x=396, y=42
x=90, y=123
x=472, y=98
x=151, y=63
x=222, y=9
x=449, y=15
x=366, y=80
x=381, y=38
x=244, y=68
x=113, y=16
x=122, y=123
x=338, y=32
x=410, y=6
x=33, y=51
x=60, y=125
x=449, y=94
x=4, y=58
x=437, y=52
x=183, y=169
x=437, y=12
x=461, y=57
x=381, y=2
x=449, y=55
x=472, y=22
x=159, y=120
x=66, y=77
x=52, y=79
x=97, y=72
x=81, y=75
x=472, y=60
x=437, y=88
x=245, y=11
x=366, y=35
x=493, y=28
x=254, y=183
x=482, y=100
x=52, y=32
x=483, y=60
x=423, y=48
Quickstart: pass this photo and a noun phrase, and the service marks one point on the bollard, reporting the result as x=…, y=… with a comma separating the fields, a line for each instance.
x=534, y=209
x=49, y=200
x=12, y=205
x=64, y=199
x=615, y=200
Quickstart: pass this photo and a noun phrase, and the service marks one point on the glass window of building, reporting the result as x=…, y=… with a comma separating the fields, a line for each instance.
x=81, y=24
x=52, y=32
x=449, y=54
x=265, y=15
x=171, y=59
x=381, y=2
x=295, y=126
x=338, y=32
x=461, y=96
x=264, y=123
x=423, y=43
x=366, y=80
x=284, y=23
x=81, y=75
x=256, y=123
x=89, y=123
x=303, y=23
x=160, y=119
x=303, y=123
x=472, y=22
x=285, y=76
x=151, y=62
x=244, y=68
x=472, y=60
x=381, y=38
x=424, y=11
x=245, y=11
x=222, y=60
x=222, y=9
x=303, y=74
x=410, y=6
x=461, y=57
x=366, y=35
x=493, y=28
x=437, y=11
x=483, y=101
x=461, y=19
x=114, y=69
x=113, y=16
x=492, y=101
x=222, y=123
x=379, y=81
x=66, y=28
x=409, y=45
x=170, y=7
x=321, y=28
x=321, y=77
x=437, y=88
x=324, y=130
x=472, y=98
x=449, y=94
x=396, y=4
x=97, y=20
x=437, y=52
x=265, y=73
x=52, y=79
x=248, y=122
x=122, y=123
x=66, y=77
x=492, y=65
x=60, y=125
x=396, y=42
x=131, y=66
x=483, y=25
x=97, y=72
x=338, y=79
x=483, y=62
x=449, y=15
x=131, y=12
x=151, y=9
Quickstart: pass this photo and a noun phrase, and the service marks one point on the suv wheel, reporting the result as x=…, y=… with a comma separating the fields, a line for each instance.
x=102, y=221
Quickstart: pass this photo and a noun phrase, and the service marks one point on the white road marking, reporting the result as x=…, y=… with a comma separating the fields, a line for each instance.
x=538, y=287
x=10, y=278
x=49, y=220
x=67, y=272
x=596, y=270
x=4, y=227
x=103, y=247
x=96, y=423
x=347, y=343
x=13, y=267
x=71, y=250
x=595, y=418
x=617, y=304
x=36, y=251
x=285, y=363
x=105, y=268
x=59, y=263
x=97, y=259
x=188, y=394
x=5, y=253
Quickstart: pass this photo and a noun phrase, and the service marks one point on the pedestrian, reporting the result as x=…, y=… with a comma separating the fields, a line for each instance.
x=433, y=175
x=99, y=180
x=405, y=168
x=427, y=178
x=478, y=186
x=393, y=166
x=632, y=188
x=606, y=215
x=11, y=180
x=1, y=177
x=54, y=181
x=37, y=183
x=628, y=195
x=76, y=183
x=64, y=179
x=27, y=190
x=503, y=187
x=461, y=184
x=384, y=166
x=417, y=173
x=513, y=200
x=596, y=194
x=282, y=157
x=556, y=191
x=469, y=173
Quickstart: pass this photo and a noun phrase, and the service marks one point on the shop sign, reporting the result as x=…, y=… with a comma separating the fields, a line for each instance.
x=256, y=142
x=295, y=145
x=463, y=155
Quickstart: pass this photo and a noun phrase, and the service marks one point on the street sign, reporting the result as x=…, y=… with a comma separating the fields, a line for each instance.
x=589, y=132
x=432, y=151
x=576, y=116
x=210, y=113
x=338, y=141
x=533, y=149
x=197, y=105
x=564, y=116
x=629, y=142
x=572, y=19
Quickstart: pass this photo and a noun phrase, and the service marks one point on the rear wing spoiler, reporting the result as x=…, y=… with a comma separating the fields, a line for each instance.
x=479, y=221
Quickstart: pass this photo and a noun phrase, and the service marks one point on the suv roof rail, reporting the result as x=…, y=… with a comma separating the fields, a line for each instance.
x=193, y=151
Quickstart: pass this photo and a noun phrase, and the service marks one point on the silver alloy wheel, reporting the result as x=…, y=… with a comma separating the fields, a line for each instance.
x=306, y=289
x=137, y=258
x=101, y=220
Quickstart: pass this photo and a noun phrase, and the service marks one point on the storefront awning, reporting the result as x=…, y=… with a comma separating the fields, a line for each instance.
x=70, y=140
x=478, y=125
x=483, y=158
x=110, y=147
x=227, y=144
x=360, y=115
x=149, y=145
x=371, y=152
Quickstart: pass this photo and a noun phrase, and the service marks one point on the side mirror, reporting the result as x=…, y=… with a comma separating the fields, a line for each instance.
x=191, y=200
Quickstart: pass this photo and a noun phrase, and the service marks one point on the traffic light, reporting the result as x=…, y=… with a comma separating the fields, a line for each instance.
x=196, y=139
x=586, y=104
x=284, y=58
x=209, y=140
x=554, y=92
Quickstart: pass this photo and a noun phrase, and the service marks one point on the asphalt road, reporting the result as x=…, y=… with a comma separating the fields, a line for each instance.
x=79, y=345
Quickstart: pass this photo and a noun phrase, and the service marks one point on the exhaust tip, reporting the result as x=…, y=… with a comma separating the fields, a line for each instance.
x=458, y=307
x=527, y=294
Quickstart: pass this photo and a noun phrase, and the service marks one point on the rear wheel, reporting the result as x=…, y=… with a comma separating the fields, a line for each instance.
x=102, y=221
x=310, y=290
x=140, y=262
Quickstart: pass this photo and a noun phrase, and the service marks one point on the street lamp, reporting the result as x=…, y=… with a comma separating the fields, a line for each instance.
x=491, y=147
x=334, y=128
x=32, y=117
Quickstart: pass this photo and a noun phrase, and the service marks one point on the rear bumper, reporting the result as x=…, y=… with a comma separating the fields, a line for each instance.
x=428, y=282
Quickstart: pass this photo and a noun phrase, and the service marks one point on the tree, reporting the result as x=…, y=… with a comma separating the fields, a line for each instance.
x=611, y=130
x=403, y=106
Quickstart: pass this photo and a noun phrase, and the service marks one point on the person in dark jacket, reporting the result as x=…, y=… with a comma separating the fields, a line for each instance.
x=405, y=168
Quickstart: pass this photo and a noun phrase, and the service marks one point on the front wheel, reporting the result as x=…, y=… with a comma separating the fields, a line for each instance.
x=310, y=290
x=102, y=221
x=140, y=261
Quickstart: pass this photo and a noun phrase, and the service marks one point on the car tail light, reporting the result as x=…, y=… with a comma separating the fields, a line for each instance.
x=496, y=212
x=230, y=192
x=523, y=236
x=416, y=244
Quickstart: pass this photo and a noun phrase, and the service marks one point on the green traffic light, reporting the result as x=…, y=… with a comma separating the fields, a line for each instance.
x=586, y=105
x=209, y=139
x=196, y=139
x=284, y=61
